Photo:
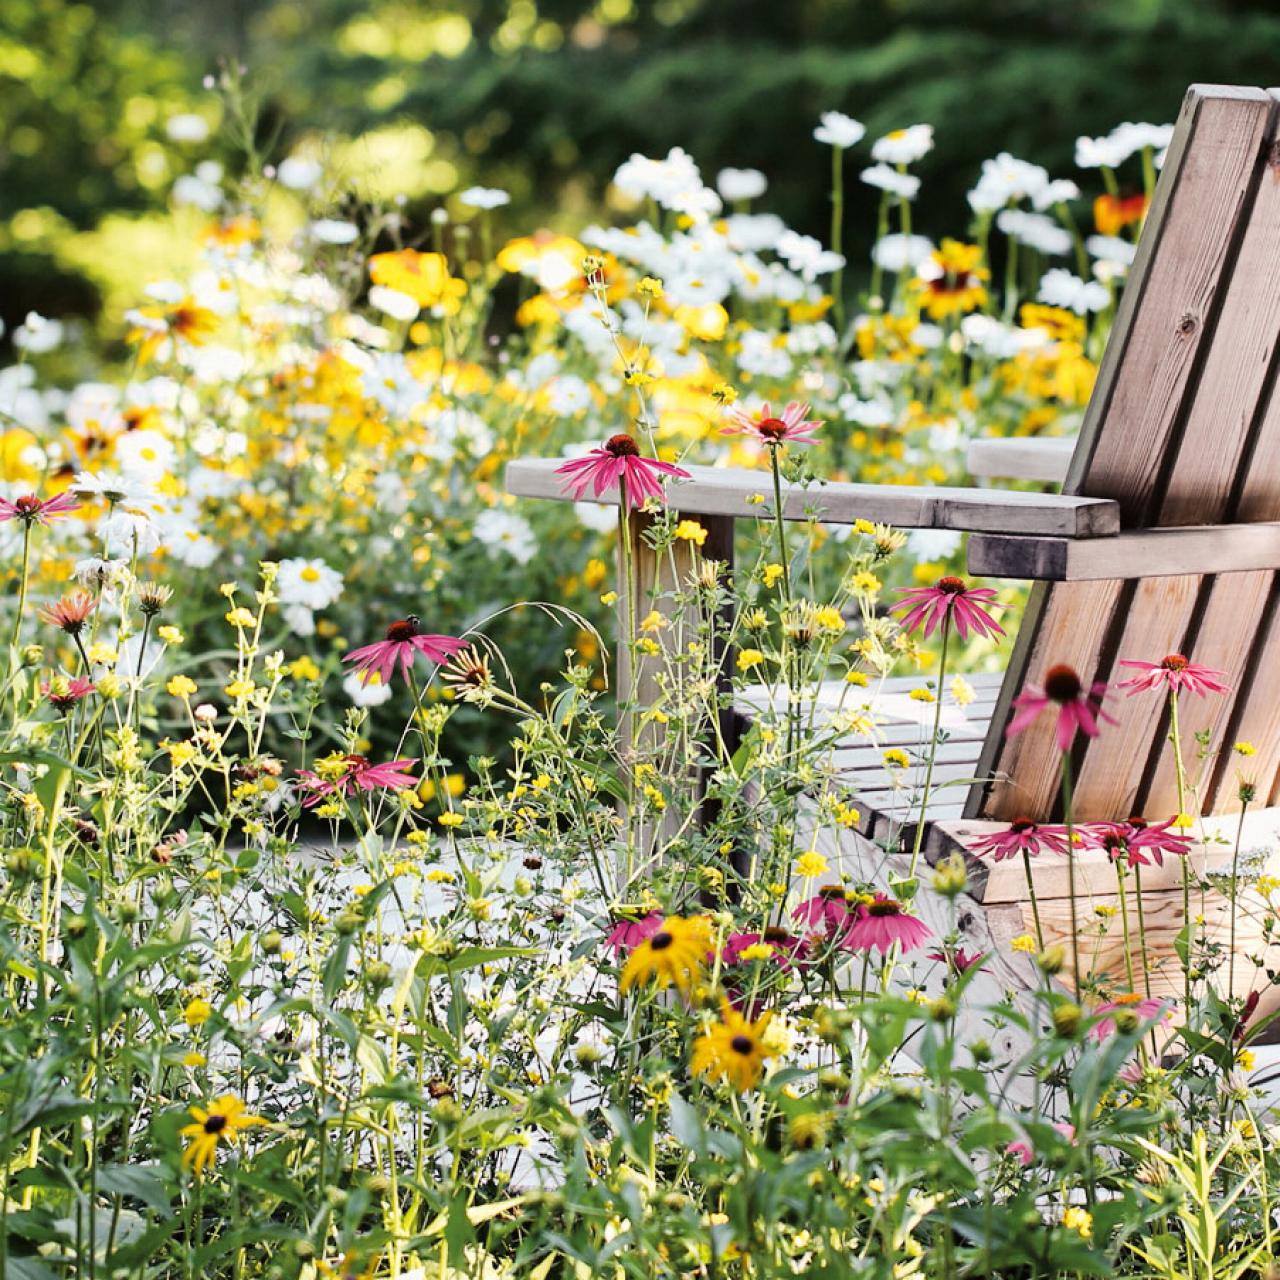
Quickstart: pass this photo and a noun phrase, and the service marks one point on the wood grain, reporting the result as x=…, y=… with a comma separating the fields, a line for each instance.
x=1043, y=458
x=1137, y=553
x=732, y=491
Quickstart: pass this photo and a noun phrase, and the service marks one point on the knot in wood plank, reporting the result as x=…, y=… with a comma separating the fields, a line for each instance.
x=1188, y=324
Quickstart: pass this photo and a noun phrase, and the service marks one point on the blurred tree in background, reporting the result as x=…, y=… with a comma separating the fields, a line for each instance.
x=546, y=97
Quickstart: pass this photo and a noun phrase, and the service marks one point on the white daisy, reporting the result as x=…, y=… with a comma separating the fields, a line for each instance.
x=904, y=146
x=1060, y=288
x=839, y=130
x=484, y=198
x=308, y=582
x=904, y=185
x=741, y=184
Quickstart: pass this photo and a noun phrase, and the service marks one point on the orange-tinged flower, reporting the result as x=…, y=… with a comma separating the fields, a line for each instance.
x=673, y=957
x=221, y=1122
x=733, y=1049
x=1111, y=214
x=951, y=280
x=424, y=277
x=185, y=320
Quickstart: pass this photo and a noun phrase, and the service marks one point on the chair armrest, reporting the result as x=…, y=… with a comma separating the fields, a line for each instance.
x=1043, y=458
x=729, y=491
x=1140, y=553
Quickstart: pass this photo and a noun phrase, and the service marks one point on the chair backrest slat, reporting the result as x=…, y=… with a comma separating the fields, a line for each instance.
x=1195, y=333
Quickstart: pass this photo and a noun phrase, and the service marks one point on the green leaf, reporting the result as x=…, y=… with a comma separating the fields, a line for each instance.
x=142, y=1182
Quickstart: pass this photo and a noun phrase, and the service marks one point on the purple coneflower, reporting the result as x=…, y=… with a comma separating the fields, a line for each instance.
x=787, y=427
x=1175, y=674
x=949, y=598
x=404, y=641
x=618, y=461
x=1079, y=708
x=1023, y=836
x=359, y=775
x=882, y=922
x=627, y=934
x=32, y=510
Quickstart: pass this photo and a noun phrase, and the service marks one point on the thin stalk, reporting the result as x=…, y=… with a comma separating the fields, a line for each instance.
x=933, y=748
x=1071, y=870
x=1180, y=774
x=1235, y=873
x=1031, y=893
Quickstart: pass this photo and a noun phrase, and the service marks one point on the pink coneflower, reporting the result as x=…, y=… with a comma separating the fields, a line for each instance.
x=618, y=461
x=881, y=923
x=1246, y=1012
x=788, y=950
x=1078, y=707
x=64, y=692
x=32, y=510
x=828, y=909
x=1023, y=836
x=70, y=613
x=958, y=960
x=358, y=775
x=1137, y=841
x=788, y=427
x=404, y=641
x=1023, y=1149
x=949, y=598
x=1176, y=674
x=1145, y=1008
x=631, y=933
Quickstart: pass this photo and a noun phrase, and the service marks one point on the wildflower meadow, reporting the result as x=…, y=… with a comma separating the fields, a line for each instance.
x=397, y=882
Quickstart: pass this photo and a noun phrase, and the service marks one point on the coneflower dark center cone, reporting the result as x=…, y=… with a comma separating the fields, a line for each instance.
x=1062, y=684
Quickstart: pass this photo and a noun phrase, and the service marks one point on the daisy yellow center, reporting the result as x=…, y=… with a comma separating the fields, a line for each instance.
x=310, y=574
x=1062, y=684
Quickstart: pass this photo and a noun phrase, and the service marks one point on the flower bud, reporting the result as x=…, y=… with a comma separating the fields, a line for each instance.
x=1066, y=1019
x=1051, y=960
x=951, y=876
x=271, y=942
x=1126, y=1021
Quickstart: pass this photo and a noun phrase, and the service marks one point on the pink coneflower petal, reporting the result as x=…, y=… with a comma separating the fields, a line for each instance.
x=403, y=644
x=882, y=923
x=627, y=934
x=949, y=598
x=1023, y=836
x=1079, y=708
x=618, y=462
x=1174, y=673
x=35, y=510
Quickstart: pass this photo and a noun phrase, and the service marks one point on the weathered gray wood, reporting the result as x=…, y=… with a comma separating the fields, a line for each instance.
x=1130, y=441
x=1140, y=553
x=733, y=491
x=1043, y=458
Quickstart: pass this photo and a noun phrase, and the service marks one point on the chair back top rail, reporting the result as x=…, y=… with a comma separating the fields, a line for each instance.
x=1183, y=429
x=734, y=491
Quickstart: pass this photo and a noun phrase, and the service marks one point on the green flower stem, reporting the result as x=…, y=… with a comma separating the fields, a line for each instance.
x=1071, y=870
x=1031, y=893
x=22, y=585
x=1180, y=775
x=837, y=229
x=933, y=748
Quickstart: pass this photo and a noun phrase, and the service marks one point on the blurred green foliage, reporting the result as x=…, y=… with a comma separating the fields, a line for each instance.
x=546, y=97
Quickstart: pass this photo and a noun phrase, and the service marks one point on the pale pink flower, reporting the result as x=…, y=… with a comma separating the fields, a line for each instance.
x=1175, y=674
x=787, y=427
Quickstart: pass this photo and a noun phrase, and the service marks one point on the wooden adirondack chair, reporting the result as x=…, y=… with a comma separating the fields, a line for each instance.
x=1165, y=539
